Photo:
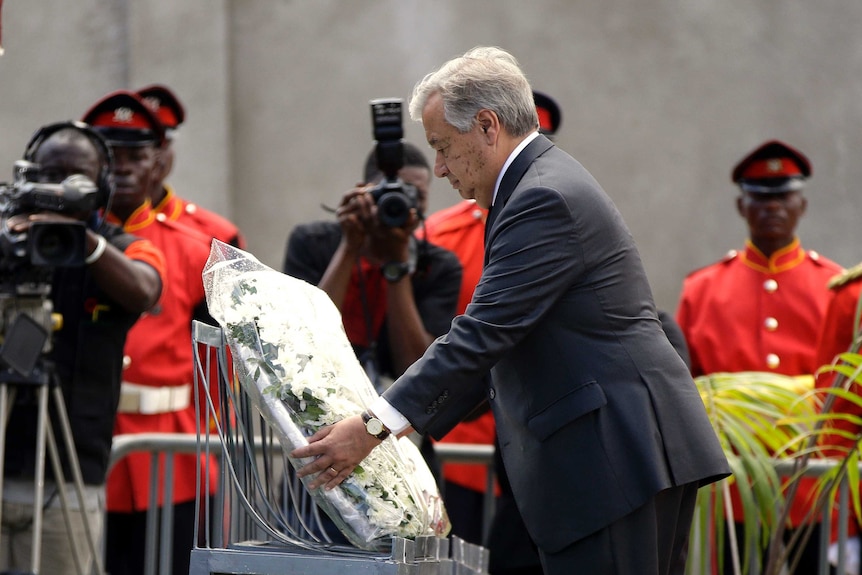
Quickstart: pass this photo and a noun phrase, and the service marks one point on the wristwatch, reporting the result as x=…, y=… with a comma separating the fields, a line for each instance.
x=374, y=426
x=394, y=271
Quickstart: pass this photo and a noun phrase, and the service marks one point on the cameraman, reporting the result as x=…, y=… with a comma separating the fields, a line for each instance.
x=99, y=302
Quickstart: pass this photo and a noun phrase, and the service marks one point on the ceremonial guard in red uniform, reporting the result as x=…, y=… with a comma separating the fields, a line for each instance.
x=171, y=113
x=840, y=335
x=156, y=394
x=761, y=308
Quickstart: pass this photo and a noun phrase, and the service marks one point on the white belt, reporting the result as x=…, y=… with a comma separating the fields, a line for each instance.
x=146, y=399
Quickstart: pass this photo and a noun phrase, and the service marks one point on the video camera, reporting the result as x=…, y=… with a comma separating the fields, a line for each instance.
x=393, y=197
x=27, y=259
x=47, y=244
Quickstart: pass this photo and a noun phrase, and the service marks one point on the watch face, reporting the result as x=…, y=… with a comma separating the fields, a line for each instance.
x=394, y=271
x=374, y=427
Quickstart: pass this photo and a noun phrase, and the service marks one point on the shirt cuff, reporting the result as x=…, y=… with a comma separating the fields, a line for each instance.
x=391, y=417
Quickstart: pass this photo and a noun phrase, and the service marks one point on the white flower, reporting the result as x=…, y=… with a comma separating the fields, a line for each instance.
x=296, y=364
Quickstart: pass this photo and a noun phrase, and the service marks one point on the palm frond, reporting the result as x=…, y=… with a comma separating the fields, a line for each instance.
x=761, y=419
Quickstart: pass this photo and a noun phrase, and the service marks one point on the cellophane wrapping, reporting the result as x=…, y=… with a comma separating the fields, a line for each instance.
x=295, y=363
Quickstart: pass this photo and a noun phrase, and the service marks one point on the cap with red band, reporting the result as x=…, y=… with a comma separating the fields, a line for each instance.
x=124, y=120
x=549, y=113
x=772, y=167
x=165, y=104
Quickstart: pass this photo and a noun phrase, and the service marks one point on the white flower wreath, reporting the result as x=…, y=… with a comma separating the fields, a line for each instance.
x=294, y=361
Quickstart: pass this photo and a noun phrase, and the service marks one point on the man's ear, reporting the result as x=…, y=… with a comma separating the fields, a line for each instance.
x=166, y=157
x=488, y=122
x=165, y=161
x=739, y=205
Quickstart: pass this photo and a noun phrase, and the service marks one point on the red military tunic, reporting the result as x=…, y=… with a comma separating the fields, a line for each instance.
x=159, y=354
x=461, y=230
x=207, y=222
x=836, y=337
x=211, y=224
x=752, y=313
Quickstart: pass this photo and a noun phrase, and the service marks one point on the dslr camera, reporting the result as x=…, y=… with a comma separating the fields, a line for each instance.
x=393, y=197
x=46, y=244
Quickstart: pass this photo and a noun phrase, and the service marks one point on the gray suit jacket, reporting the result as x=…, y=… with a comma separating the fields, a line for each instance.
x=595, y=410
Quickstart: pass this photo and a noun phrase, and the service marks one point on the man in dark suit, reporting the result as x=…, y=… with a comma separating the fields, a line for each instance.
x=602, y=431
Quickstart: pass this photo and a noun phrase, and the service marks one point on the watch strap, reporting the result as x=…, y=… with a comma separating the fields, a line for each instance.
x=395, y=270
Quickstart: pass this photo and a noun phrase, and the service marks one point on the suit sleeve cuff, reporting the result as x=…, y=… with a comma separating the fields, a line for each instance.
x=391, y=417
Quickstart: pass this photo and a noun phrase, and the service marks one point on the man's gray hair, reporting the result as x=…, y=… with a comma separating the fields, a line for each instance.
x=483, y=78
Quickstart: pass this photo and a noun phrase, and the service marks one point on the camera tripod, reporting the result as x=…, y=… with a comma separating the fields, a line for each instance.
x=20, y=368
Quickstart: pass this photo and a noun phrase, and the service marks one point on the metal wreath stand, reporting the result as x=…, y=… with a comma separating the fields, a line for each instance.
x=262, y=521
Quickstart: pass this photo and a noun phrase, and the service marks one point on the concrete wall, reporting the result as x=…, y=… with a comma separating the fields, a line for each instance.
x=660, y=99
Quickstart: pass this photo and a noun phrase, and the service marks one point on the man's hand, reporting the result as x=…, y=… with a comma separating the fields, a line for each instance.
x=20, y=223
x=355, y=215
x=339, y=449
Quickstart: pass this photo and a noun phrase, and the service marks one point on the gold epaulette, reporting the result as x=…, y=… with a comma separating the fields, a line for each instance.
x=845, y=277
x=730, y=255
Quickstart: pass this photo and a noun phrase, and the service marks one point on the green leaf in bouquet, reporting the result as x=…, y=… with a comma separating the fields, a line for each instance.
x=311, y=405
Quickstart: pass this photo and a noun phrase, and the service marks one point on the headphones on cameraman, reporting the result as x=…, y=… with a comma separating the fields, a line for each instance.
x=105, y=183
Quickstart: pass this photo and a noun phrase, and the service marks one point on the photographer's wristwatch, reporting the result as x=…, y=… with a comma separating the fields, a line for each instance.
x=394, y=271
x=374, y=426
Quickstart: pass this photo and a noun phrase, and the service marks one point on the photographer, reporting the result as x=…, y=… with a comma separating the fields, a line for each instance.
x=395, y=293
x=119, y=278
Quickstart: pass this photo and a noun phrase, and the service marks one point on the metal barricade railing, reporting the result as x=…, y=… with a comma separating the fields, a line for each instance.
x=174, y=443
x=158, y=546
x=474, y=454
x=159, y=527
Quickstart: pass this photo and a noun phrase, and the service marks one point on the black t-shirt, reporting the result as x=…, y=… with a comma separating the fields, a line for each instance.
x=86, y=360
x=436, y=281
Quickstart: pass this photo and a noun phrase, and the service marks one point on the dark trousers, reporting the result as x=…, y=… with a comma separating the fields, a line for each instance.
x=512, y=549
x=651, y=540
x=466, y=508
x=126, y=536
